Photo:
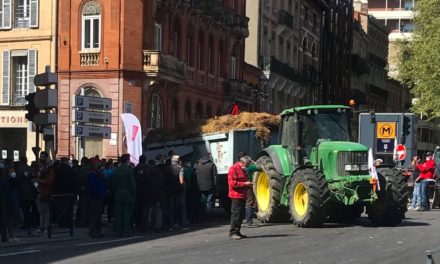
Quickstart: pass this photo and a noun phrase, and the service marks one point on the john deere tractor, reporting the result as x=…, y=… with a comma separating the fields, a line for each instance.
x=315, y=175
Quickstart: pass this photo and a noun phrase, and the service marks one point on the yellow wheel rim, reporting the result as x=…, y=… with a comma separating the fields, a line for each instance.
x=263, y=191
x=301, y=199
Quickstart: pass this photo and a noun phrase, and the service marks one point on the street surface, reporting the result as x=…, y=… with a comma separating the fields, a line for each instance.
x=274, y=243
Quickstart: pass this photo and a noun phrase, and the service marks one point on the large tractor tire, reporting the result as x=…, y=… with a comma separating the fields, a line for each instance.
x=390, y=208
x=268, y=189
x=308, y=198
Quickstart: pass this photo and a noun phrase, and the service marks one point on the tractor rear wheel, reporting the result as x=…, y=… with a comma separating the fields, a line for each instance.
x=390, y=208
x=308, y=198
x=268, y=189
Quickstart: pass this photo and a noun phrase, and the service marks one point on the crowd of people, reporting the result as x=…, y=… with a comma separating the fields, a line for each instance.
x=423, y=176
x=162, y=194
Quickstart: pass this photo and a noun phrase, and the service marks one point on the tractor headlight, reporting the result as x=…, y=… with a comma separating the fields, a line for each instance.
x=351, y=167
x=364, y=167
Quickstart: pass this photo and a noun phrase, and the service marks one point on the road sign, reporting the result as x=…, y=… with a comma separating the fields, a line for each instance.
x=91, y=131
x=401, y=152
x=96, y=103
x=92, y=117
x=386, y=130
x=384, y=146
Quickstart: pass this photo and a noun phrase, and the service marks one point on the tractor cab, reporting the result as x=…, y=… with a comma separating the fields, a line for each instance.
x=303, y=127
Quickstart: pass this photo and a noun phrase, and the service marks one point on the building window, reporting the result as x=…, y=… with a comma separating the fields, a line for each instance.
x=157, y=36
x=155, y=112
x=200, y=51
x=189, y=52
x=91, y=26
x=233, y=67
x=18, y=14
x=188, y=111
x=208, y=111
x=19, y=69
x=176, y=37
x=220, y=61
x=174, y=113
x=198, y=114
x=211, y=55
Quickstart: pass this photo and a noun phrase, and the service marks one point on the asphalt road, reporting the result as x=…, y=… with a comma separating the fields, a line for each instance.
x=280, y=243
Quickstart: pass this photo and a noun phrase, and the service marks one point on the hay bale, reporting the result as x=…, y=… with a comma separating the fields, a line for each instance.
x=262, y=122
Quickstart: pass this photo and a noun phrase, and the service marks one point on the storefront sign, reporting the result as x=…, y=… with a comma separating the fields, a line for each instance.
x=13, y=119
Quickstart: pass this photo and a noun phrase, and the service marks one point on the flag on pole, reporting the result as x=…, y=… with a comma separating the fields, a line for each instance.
x=395, y=150
x=373, y=173
x=133, y=134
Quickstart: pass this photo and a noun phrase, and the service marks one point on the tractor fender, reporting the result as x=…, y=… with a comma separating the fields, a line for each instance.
x=280, y=157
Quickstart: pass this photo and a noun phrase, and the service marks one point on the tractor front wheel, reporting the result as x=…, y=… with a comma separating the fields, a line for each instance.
x=309, y=195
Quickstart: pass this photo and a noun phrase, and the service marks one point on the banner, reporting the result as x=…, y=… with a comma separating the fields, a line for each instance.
x=373, y=173
x=133, y=134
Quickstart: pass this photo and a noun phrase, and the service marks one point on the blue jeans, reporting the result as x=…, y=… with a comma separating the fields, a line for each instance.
x=416, y=200
x=424, y=193
x=207, y=200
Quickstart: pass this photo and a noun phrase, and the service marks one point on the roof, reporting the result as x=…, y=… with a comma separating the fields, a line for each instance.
x=302, y=108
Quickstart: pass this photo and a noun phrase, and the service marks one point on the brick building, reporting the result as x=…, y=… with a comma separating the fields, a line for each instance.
x=171, y=61
x=99, y=54
x=193, y=60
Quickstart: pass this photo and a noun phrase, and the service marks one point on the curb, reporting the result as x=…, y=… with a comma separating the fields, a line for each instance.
x=45, y=241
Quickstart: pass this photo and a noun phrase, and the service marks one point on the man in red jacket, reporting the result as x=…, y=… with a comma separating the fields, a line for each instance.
x=426, y=178
x=238, y=184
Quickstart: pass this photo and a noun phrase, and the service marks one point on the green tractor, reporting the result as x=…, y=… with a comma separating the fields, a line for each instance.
x=315, y=175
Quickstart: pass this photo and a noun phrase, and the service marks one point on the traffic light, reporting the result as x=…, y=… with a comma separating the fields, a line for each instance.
x=406, y=128
x=32, y=110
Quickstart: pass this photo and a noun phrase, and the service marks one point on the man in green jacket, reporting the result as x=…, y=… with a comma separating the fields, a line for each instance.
x=124, y=187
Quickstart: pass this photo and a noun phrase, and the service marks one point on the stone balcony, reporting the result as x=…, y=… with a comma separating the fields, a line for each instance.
x=89, y=58
x=163, y=66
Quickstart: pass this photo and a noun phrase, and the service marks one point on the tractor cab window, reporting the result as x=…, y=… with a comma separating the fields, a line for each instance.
x=288, y=131
x=329, y=124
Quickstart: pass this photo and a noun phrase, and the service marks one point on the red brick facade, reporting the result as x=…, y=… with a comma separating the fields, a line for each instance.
x=174, y=60
x=114, y=69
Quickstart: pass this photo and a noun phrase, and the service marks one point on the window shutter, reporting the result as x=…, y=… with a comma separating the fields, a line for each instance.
x=6, y=71
x=32, y=64
x=34, y=13
x=6, y=14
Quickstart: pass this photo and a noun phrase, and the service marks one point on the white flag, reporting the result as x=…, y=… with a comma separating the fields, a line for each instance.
x=395, y=158
x=372, y=169
x=133, y=134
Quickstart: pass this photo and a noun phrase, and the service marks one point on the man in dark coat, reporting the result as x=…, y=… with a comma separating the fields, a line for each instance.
x=206, y=174
x=64, y=193
x=153, y=196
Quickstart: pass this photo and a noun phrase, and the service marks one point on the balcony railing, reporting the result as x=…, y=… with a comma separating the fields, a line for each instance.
x=237, y=88
x=157, y=64
x=222, y=15
x=283, y=69
x=285, y=18
x=89, y=58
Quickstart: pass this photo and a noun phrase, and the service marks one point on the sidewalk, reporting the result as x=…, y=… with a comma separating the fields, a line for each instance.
x=60, y=234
